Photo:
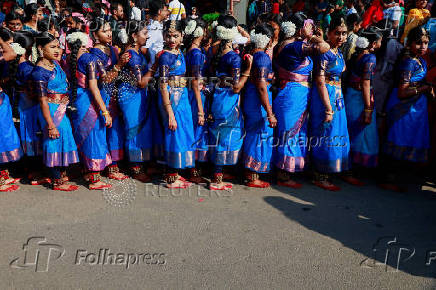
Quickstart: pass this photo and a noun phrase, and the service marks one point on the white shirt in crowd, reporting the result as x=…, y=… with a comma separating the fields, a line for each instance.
x=155, y=42
x=136, y=14
x=176, y=10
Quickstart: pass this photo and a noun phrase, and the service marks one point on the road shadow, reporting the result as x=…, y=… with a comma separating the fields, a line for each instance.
x=395, y=232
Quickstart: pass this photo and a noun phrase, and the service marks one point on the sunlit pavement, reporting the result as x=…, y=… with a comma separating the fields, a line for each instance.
x=144, y=236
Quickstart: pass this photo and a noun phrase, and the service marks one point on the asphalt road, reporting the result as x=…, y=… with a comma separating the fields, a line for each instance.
x=144, y=236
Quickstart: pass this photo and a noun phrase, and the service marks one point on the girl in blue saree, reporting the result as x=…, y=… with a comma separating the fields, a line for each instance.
x=359, y=104
x=108, y=57
x=259, y=119
x=195, y=63
x=175, y=107
x=407, y=116
x=10, y=147
x=328, y=133
x=293, y=66
x=51, y=86
x=28, y=108
x=135, y=103
x=226, y=129
x=91, y=117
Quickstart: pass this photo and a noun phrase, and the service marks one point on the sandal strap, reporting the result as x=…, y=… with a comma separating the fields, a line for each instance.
x=321, y=176
x=113, y=169
x=218, y=178
x=252, y=176
x=94, y=177
x=3, y=177
x=137, y=169
x=283, y=175
x=57, y=182
x=171, y=177
x=195, y=172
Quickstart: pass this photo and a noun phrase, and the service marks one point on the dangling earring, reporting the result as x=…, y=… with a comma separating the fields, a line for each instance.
x=40, y=53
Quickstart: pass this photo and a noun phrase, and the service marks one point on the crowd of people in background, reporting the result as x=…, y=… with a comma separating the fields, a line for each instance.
x=152, y=88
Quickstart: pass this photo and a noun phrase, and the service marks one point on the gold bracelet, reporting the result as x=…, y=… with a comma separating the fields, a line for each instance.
x=105, y=113
x=330, y=112
x=116, y=69
x=246, y=75
x=369, y=110
x=416, y=91
x=51, y=128
x=167, y=104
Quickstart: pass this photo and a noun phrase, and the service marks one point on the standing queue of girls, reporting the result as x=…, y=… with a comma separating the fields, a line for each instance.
x=288, y=111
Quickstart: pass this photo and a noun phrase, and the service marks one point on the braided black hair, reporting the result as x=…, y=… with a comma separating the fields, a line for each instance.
x=72, y=63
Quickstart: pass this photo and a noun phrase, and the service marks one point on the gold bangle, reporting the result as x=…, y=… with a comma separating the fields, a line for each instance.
x=51, y=128
x=369, y=110
x=246, y=75
x=329, y=112
x=105, y=113
x=116, y=69
x=416, y=91
x=167, y=104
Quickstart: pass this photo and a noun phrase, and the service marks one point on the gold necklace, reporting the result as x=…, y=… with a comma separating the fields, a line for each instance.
x=50, y=65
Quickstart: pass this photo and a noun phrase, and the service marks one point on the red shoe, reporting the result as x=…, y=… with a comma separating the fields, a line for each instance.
x=330, y=187
x=259, y=184
x=226, y=186
x=12, y=187
x=12, y=180
x=103, y=186
x=392, y=187
x=114, y=173
x=352, y=180
x=57, y=183
x=295, y=185
x=178, y=184
x=40, y=181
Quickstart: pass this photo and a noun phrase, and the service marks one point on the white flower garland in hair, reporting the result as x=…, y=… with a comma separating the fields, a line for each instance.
x=18, y=49
x=190, y=27
x=288, y=28
x=362, y=42
x=198, y=32
x=34, y=56
x=214, y=24
x=260, y=40
x=226, y=33
x=122, y=35
x=73, y=37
